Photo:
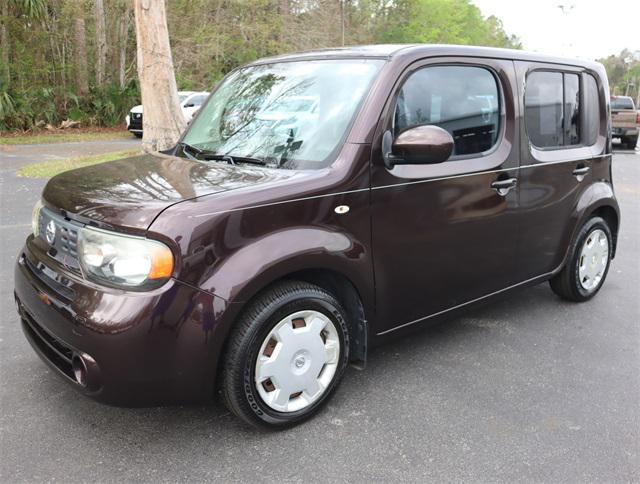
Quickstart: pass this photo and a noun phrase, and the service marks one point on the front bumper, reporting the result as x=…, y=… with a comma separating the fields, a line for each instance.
x=617, y=132
x=136, y=348
x=134, y=123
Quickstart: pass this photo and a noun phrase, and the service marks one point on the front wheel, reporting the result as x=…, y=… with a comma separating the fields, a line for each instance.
x=588, y=262
x=285, y=356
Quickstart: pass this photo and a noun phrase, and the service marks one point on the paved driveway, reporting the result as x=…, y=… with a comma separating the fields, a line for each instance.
x=529, y=388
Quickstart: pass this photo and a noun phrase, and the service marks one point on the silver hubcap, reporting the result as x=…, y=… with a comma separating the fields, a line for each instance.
x=593, y=259
x=297, y=361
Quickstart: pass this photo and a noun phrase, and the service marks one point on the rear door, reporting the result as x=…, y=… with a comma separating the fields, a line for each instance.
x=561, y=133
x=444, y=234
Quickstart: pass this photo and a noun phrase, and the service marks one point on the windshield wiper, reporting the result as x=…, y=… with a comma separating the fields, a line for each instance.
x=232, y=160
x=195, y=153
x=194, y=149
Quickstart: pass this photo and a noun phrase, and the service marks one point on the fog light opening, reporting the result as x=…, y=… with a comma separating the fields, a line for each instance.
x=79, y=370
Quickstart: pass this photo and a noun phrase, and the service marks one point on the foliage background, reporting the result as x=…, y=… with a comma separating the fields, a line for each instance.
x=623, y=71
x=42, y=74
x=43, y=78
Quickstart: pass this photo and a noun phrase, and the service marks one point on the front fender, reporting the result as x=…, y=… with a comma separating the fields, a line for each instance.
x=253, y=267
x=276, y=255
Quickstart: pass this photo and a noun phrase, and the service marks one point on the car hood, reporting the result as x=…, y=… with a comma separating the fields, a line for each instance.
x=132, y=192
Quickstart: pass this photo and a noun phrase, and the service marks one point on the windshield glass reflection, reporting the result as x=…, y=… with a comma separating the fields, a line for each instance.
x=288, y=114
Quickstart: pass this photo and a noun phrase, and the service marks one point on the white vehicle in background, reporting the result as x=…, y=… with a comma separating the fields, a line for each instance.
x=294, y=112
x=190, y=103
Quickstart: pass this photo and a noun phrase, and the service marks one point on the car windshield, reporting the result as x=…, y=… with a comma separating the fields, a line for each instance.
x=288, y=114
x=622, y=103
x=182, y=97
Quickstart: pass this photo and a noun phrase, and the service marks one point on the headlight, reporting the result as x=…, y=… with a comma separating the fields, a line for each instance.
x=123, y=261
x=35, y=218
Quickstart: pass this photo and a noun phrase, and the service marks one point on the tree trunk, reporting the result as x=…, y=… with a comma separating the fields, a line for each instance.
x=101, y=42
x=123, y=34
x=342, y=27
x=82, y=77
x=4, y=45
x=163, y=121
x=284, y=18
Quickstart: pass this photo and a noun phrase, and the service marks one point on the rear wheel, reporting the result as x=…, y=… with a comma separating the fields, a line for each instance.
x=285, y=356
x=588, y=263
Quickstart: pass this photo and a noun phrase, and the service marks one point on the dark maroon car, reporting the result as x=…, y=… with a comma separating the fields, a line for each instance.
x=318, y=203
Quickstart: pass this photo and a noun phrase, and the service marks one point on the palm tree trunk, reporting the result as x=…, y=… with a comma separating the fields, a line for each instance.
x=123, y=38
x=82, y=77
x=101, y=42
x=4, y=45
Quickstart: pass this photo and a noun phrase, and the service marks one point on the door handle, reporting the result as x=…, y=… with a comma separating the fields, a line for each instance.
x=502, y=187
x=580, y=172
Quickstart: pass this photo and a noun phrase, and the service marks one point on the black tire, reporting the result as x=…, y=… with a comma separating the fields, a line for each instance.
x=238, y=387
x=566, y=283
x=629, y=142
x=138, y=135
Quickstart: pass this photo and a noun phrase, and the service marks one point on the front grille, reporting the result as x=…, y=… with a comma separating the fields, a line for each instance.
x=135, y=120
x=69, y=241
x=51, y=347
x=64, y=246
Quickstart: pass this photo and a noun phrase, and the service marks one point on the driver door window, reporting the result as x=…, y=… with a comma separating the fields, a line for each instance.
x=463, y=100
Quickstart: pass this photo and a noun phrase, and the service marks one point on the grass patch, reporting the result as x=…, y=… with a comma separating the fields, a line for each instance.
x=47, y=169
x=66, y=137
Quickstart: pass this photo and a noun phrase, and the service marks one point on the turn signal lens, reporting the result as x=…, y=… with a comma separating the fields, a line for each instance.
x=35, y=218
x=161, y=263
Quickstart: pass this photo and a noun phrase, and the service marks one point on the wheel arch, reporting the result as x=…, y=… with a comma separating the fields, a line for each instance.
x=597, y=200
x=338, y=284
x=612, y=217
x=331, y=279
x=349, y=297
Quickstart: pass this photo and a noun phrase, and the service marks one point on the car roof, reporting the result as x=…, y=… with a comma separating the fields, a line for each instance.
x=389, y=51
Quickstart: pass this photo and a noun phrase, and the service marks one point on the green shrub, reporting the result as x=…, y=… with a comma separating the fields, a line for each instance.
x=107, y=106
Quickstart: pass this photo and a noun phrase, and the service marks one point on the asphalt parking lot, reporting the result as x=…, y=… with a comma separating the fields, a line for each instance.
x=529, y=388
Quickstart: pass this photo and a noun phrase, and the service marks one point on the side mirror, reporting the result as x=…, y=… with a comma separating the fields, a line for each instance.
x=420, y=145
x=189, y=105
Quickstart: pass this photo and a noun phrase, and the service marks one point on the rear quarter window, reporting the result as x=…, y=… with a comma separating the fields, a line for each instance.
x=592, y=109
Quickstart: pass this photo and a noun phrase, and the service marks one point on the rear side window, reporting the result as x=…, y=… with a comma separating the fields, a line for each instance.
x=463, y=100
x=543, y=108
x=552, y=109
